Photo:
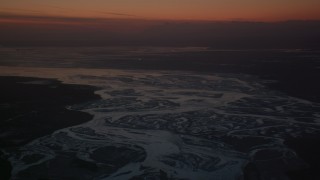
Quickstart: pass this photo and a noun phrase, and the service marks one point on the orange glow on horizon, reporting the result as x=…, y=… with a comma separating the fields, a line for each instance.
x=206, y=10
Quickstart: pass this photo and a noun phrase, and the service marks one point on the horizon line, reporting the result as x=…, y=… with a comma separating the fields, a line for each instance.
x=136, y=18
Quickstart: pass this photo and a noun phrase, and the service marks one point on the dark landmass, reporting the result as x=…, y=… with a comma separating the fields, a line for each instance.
x=34, y=107
x=112, y=32
x=307, y=147
x=5, y=167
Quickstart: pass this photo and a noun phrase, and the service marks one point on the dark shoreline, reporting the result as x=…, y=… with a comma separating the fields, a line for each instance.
x=35, y=107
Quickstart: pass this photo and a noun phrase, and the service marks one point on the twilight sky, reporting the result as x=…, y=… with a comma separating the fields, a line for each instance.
x=214, y=23
x=252, y=10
